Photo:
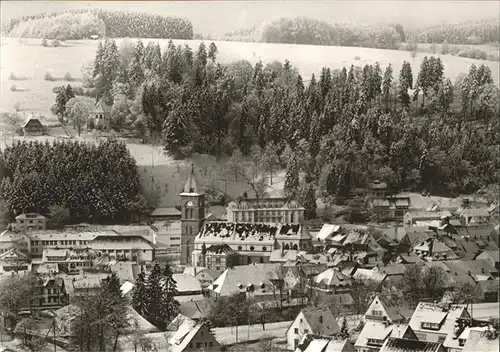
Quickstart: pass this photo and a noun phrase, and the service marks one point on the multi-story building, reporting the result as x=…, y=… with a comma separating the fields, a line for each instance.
x=67, y=239
x=31, y=221
x=265, y=210
x=387, y=206
x=69, y=261
x=254, y=242
x=14, y=240
x=48, y=293
x=14, y=261
x=135, y=248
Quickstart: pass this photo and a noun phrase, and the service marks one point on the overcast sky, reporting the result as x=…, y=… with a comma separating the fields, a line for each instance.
x=217, y=17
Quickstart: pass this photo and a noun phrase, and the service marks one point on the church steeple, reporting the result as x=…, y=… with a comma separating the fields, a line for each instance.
x=192, y=215
x=191, y=186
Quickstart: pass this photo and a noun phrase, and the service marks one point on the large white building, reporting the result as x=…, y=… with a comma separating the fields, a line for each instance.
x=265, y=210
x=253, y=241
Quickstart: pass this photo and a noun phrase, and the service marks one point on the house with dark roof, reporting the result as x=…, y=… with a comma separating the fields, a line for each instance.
x=479, y=270
x=434, y=249
x=375, y=333
x=487, y=291
x=99, y=115
x=475, y=215
x=323, y=343
x=393, y=344
x=312, y=320
x=32, y=126
x=196, y=309
x=48, y=293
x=165, y=213
x=388, y=308
x=492, y=256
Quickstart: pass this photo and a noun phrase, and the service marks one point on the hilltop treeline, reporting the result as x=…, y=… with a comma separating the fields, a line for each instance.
x=473, y=32
x=304, y=30
x=81, y=24
x=96, y=183
x=340, y=131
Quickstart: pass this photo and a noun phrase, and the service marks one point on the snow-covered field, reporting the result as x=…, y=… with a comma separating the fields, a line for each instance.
x=29, y=61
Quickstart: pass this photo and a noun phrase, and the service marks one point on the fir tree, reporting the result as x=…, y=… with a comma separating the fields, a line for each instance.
x=154, y=295
x=171, y=305
x=139, y=296
x=309, y=203
x=174, y=134
x=386, y=86
x=212, y=52
x=344, y=330
x=201, y=55
x=405, y=83
x=291, y=186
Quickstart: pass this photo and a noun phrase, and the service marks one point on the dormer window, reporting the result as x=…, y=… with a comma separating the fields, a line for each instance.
x=375, y=342
x=430, y=326
x=461, y=342
x=191, y=190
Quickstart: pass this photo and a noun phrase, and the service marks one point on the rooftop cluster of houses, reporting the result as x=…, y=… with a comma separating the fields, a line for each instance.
x=280, y=262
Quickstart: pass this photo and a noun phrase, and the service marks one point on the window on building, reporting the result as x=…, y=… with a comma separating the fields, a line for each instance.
x=210, y=344
x=296, y=330
x=252, y=248
x=240, y=248
x=430, y=326
x=306, y=331
x=377, y=313
x=264, y=249
x=199, y=345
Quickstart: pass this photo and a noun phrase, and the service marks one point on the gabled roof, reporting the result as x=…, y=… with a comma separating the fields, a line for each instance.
x=195, y=309
x=166, y=211
x=326, y=231
x=13, y=254
x=229, y=282
x=100, y=107
x=322, y=343
x=368, y=274
x=191, y=186
x=321, y=320
x=379, y=330
x=332, y=277
x=30, y=216
x=436, y=313
x=393, y=344
x=397, y=311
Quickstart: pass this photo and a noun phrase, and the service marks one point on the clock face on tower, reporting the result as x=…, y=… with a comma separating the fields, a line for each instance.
x=190, y=204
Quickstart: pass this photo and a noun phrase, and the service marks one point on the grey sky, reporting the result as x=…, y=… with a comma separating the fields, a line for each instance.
x=218, y=17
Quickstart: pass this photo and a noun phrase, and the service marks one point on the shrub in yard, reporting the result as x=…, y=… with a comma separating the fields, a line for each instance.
x=357, y=58
x=48, y=77
x=12, y=76
x=56, y=43
x=13, y=88
x=44, y=42
x=67, y=77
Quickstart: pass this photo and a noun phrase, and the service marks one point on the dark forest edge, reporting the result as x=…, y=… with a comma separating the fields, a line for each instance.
x=82, y=24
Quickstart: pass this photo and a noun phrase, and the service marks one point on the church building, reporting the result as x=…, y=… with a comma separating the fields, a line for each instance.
x=192, y=215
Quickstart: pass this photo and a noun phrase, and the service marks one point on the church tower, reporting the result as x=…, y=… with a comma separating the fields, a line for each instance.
x=192, y=217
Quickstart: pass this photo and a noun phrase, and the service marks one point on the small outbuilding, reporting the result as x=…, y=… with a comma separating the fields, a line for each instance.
x=32, y=126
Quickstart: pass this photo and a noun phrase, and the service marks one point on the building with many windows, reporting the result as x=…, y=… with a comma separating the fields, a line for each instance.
x=265, y=210
x=67, y=239
x=254, y=242
x=31, y=221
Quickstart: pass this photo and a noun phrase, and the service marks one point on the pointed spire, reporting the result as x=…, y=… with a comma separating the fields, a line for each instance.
x=191, y=184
